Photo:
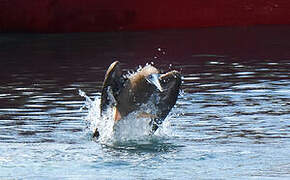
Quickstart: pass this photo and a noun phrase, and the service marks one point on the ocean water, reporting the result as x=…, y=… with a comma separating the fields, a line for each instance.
x=231, y=120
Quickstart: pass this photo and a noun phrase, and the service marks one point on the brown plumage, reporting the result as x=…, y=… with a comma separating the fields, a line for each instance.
x=126, y=95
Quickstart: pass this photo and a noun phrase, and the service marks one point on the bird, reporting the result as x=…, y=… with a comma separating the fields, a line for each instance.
x=125, y=94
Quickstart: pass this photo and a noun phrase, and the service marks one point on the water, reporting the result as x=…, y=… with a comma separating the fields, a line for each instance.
x=232, y=118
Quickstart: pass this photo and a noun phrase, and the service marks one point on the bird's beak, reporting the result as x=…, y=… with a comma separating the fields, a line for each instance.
x=154, y=79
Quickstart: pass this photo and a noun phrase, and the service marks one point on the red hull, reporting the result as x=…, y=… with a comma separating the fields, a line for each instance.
x=113, y=15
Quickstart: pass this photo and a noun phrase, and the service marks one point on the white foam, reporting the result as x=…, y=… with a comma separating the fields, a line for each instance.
x=129, y=128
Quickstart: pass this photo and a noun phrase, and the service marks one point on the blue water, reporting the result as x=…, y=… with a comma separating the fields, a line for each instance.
x=231, y=120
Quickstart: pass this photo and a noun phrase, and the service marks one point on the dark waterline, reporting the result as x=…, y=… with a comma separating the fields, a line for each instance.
x=232, y=119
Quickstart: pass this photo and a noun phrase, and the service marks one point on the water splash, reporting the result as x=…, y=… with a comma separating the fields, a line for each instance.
x=94, y=120
x=130, y=128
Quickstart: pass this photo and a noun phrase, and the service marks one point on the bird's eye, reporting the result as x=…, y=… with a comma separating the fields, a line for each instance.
x=154, y=79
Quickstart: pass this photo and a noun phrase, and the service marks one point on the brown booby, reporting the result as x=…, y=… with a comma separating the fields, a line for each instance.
x=126, y=94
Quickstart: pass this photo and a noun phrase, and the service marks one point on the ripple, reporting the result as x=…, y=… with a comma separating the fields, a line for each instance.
x=231, y=117
x=11, y=110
